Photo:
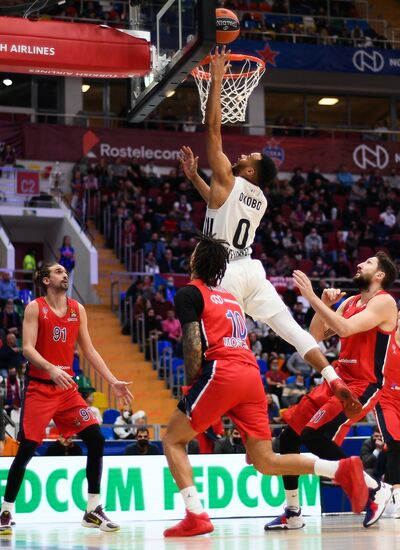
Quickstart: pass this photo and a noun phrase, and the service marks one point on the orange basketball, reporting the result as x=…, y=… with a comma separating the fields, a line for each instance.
x=227, y=25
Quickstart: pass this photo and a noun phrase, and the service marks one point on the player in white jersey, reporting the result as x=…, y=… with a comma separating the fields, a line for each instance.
x=235, y=206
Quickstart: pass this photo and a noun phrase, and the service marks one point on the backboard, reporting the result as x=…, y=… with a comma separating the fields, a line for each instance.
x=182, y=34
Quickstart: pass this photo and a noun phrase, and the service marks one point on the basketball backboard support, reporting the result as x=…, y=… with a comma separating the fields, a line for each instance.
x=182, y=34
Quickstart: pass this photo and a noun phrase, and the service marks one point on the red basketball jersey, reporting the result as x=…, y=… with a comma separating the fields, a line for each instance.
x=363, y=356
x=223, y=326
x=56, y=337
x=391, y=374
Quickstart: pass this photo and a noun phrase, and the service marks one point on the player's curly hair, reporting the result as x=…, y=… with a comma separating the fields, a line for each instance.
x=41, y=273
x=210, y=259
x=386, y=265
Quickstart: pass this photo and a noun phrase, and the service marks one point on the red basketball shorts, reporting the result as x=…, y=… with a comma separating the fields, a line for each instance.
x=387, y=412
x=227, y=388
x=320, y=409
x=43, y=402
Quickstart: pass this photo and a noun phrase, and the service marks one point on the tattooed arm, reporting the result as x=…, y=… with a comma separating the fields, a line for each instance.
x=192, y=350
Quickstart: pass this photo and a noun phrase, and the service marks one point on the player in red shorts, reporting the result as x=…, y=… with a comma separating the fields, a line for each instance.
x=52, y=326
x=365, y=324
x=224, y=377
x=387, y=413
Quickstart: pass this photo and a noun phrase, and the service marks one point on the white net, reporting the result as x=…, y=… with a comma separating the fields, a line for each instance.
x=238, y=83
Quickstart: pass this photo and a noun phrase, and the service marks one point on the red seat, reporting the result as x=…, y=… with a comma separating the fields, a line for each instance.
x=341, y=201
x=364, y=253
x=286, y=211
x=258, y=249
x=331, y=241
x=373, y=213
x=305, y=265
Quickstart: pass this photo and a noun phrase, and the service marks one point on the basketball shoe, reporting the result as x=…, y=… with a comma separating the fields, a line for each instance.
x=290, y=519
x=377, y=501
x=191, y=525
x=350, y=476
x=6, y=523
x=96, y=519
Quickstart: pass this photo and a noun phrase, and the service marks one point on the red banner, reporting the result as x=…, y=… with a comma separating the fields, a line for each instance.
x=68, y=143
x=27, y=183
x=63, y=49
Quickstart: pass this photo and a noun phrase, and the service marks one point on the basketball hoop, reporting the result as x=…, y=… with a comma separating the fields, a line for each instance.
x=237, y=84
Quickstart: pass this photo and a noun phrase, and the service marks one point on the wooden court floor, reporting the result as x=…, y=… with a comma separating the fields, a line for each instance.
x=328, y=533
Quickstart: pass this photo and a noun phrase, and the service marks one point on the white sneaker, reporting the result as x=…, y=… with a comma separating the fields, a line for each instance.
x=377, y=501
x=97, y=519
x=396, y=503
x=290, y=519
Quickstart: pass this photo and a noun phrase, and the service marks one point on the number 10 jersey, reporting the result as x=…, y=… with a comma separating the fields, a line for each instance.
x=237, y=220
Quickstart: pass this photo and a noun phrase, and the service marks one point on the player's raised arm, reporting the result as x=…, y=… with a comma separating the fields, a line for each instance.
x=92, y=355
x=318, y=328
x=190, y=168
x=218, y=161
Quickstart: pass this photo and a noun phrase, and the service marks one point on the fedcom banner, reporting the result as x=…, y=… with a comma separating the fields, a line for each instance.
x=140, y=488
x=315, y=57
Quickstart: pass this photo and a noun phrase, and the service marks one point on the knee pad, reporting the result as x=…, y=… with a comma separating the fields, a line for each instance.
x=93, y=438
x=289, y=441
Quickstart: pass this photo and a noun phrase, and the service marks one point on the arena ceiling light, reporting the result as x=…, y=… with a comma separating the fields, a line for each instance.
x=85, y=88
x=328, y=101
x=169, y=93
x=7, y=82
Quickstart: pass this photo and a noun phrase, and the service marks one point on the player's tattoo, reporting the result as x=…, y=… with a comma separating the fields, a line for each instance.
x=328, y=333
x=192, y=350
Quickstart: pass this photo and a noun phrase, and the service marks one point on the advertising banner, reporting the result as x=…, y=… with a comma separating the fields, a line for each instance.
x=316, y=57
x=27, y=183
x=141, y=488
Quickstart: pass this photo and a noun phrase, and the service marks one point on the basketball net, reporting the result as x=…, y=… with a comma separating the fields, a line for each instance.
x=238, y=83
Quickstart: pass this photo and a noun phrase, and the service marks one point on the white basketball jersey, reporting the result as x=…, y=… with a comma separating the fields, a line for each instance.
x=237, y=219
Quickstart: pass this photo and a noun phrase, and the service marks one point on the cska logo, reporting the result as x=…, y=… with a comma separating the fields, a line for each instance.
x=45, y=312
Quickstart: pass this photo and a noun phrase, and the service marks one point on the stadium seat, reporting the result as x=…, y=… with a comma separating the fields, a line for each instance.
x=305, y=265
x=162, y=344
x=100, y=401
x=373, y=214
x=291, y=379
x=365, y=430
x=84, y=384
x=110, y=415
x=25, y=295
x=262, y=365
x=364, y=253
x=107, y=432
x=76, y=365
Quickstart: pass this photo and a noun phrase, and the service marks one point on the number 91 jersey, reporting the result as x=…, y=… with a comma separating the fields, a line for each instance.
x=56, y=337
x=236, y=221
x=223, y=326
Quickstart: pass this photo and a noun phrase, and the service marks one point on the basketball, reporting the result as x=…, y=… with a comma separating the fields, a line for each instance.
x=227, y=26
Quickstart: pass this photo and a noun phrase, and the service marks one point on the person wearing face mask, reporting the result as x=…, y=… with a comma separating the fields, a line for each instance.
x=124, y=425
x=142, y=445
x=294, y=391
x=230, y=445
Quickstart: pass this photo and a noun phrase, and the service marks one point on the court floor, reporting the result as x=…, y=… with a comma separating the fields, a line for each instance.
x=329, y=533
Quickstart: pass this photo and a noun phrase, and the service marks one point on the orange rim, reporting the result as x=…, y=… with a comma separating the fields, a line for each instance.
x=206, y=75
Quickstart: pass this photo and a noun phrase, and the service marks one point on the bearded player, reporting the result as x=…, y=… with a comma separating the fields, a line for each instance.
x=224, y=378
x=366, y=324
x=235, y=206
x=52, y=326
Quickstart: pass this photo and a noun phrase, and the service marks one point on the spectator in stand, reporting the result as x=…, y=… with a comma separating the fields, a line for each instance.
x=10, y=321
x=255, y=345
x=296, y=365
x=284, y=266
x=320, y=267
x=187, y=226
x=13, y=392
x=297, y=217
x=142, y=445
x=124, y=425
x=10, y=355
x=358, y=193
x=315, y=175
x=291, y=244
x=152, y=326
x=152, y=173
x=173, y=331
x=160, y=305
x=372, y=454
x=297, y=179
x=341, y=268
x=167, y=263
x=189, y=125
x=90, y=182
x=8, y=289
x=156, y=245
x=66, y=258
x=8, y=156
x=394, y=179
x=231, y=444
x=89, y=398
x=293, y=392
x=388, y=217
x=29, y=263
x=64, y=446
x=151, y=265
x=352, y=245
x=273, y=410
x=313, y=244
x=344, y=177
x=298, y=314
x=276, y=380
x=170, y=289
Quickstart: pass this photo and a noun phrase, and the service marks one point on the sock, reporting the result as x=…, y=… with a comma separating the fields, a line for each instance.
x=191, y=500
x=292, y=499
x=92, y=502
x=326, y=468
x=370, y=481
x=7, y=506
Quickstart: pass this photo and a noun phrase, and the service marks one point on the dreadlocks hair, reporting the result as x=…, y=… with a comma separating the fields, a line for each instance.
x=386, y=265
x=210, y=259
x=43, y=272
x=266, y=170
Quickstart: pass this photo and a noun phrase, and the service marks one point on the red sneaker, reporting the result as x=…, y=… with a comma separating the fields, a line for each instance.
x=350, y=476
x=191, y=525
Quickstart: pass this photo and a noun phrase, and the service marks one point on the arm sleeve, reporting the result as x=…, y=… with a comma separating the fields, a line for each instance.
x=189, y=304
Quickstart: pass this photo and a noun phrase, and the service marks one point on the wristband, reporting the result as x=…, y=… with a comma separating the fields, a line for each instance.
x=329, y=374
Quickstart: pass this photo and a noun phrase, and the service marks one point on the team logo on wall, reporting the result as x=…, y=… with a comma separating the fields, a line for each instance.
x=275, y=151
x=370, y=157
x=368, y=60
x=268, y=54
